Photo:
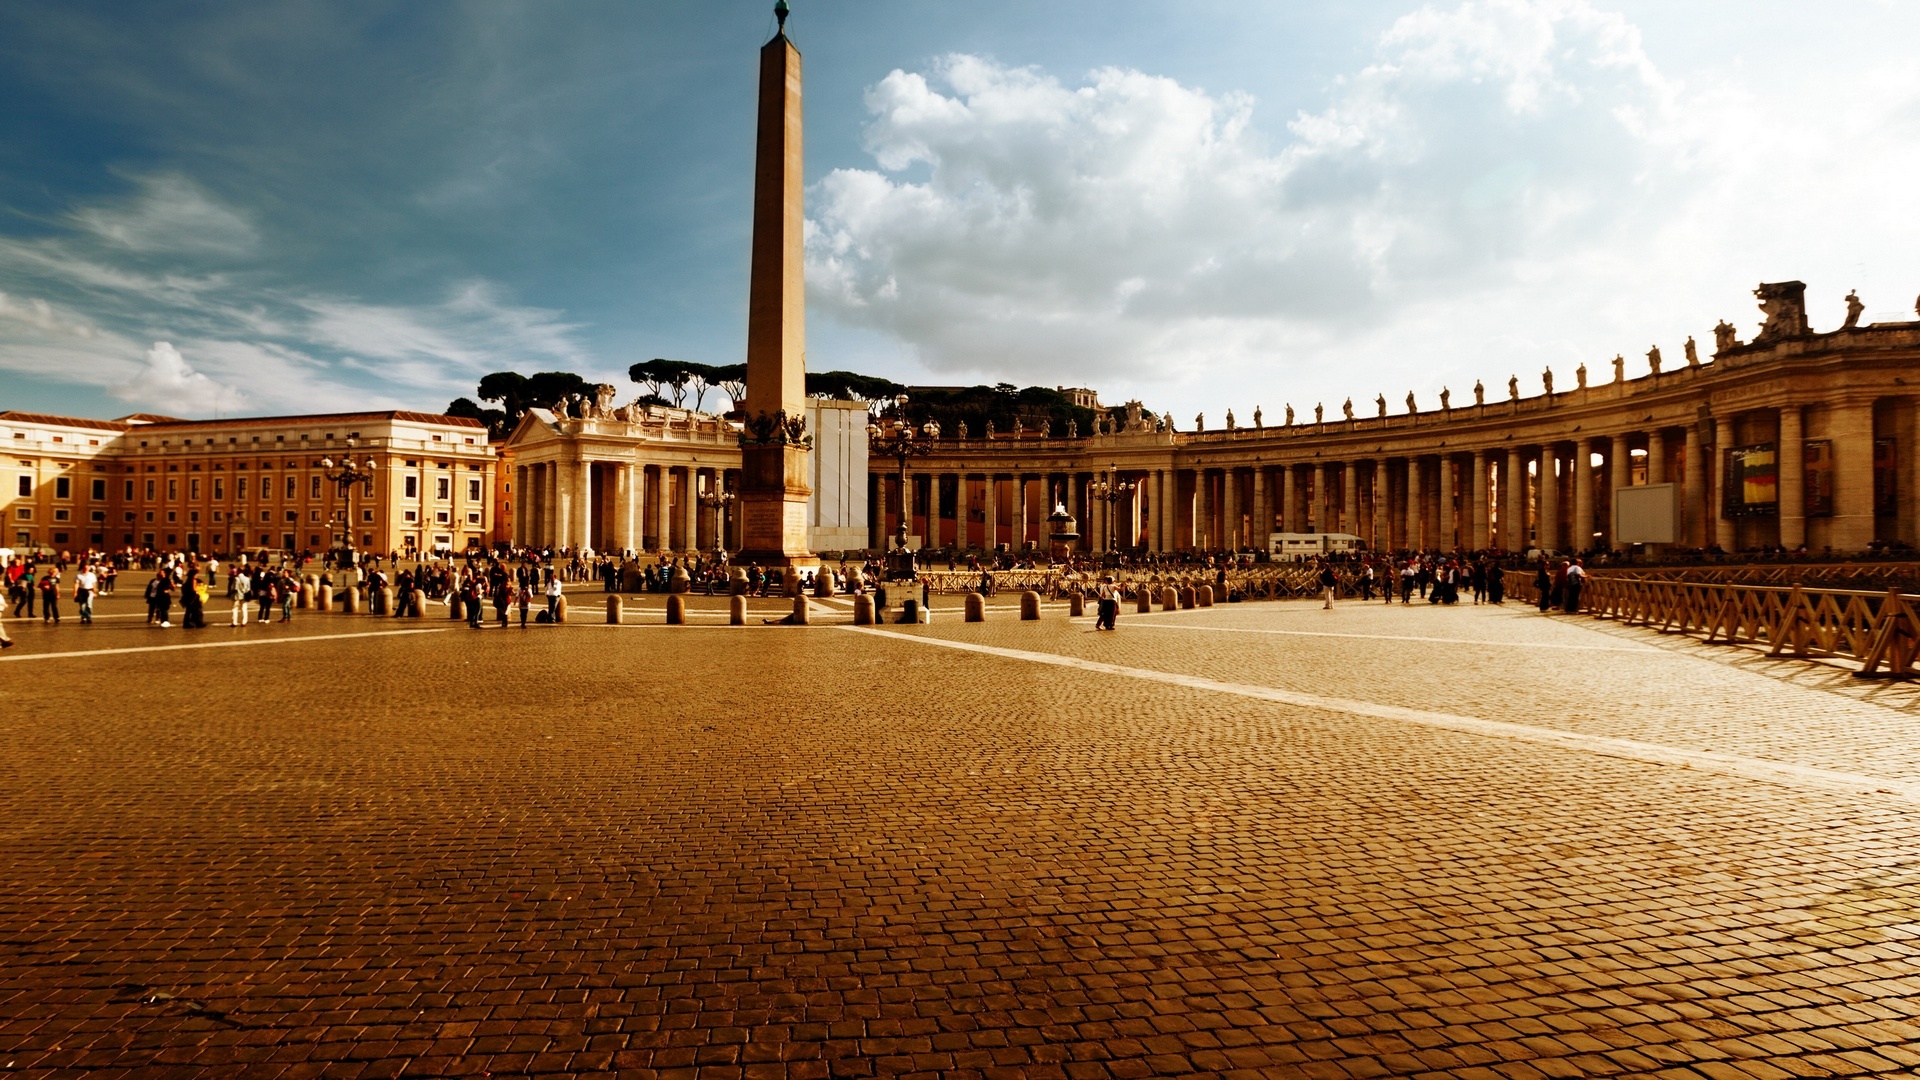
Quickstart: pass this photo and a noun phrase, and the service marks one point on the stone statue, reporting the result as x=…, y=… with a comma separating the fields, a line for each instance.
x=1289, y=415
x=1619, y=368
x=1018, y=427
x=1446, y=400
x=1693, y=352
x=1073, y=429
x=1135, y=422
x=1580, y=375
x=1229, y=419
x=1256, y=417
x=603, y=401
x=1653, y=359
x=1854, y=308
x=1199, y=421
x=1546, y=380
x=1513, y=388
x=963, y=429
x=989, y=429
x=1785, y=305
x=1916, y=307
x=1479, y=393
x=1319, y=412
x=1725, y=337
x=1411, y=407
x=560, y=409
x=1381, y=401
x=1166, y=422
x=1346, y=410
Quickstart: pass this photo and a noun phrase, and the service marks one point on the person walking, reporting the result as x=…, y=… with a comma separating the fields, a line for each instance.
x=524, y=594
x=1570, y=589
x=1543, y=585
x=1329, y=581
x=86, y=584
x=289, y=589
x=160, y=598
x=50, y=596
x=1106, y=604
x=553, y=598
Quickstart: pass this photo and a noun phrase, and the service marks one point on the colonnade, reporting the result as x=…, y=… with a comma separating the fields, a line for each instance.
x=616, y=506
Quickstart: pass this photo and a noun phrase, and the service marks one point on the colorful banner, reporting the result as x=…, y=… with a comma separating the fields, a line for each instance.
x=1752, y=481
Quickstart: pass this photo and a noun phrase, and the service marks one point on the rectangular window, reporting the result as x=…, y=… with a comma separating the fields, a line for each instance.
x=128, y=489
x=219, y=488
x=173, y=490
x=443, y=517
x=26, y=486
x=63, y=487
x=443, y=488
x=473, y=517
x=292, y=488
x=313, y=491
x=62, y=515
x=24, y=513
x=97, y=515
x=473, y=490
x=366, y=516
x=413, y=487
x=240, y=487
x=99, y=490
x=193, y=489
x=293, y=515
x=412, y=516
x=266, y=516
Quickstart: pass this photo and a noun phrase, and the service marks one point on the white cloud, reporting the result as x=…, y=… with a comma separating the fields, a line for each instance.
x=1508, y=184
x=169, y=213
x=165, y=383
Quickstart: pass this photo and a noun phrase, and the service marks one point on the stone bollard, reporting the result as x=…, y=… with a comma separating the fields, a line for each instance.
x=456, y=606
x=737, y=610
x=614, y=610
x=353, y=600
x=1143, y=601
x=863, y=610
x=676, y=610
x=800, y=611
x=855, y=579
x=1076, y=605
x=737, y=581
x=383, y=601
x=412, y=604
x=976, y=607
x=1029, y=606
x=1203, y=596
x=679, y=581
x=1186, y=598
x=1169, y=600
x=560, y=610
x=790, y=582
x=305, y=597
x=323, y=597
x=909, y=612
x=823, y=584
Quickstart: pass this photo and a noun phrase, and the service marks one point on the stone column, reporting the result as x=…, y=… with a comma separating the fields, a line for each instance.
x=1202, y=509
x=1230, y=502
x=1381, y=508
x=550, y=518
x=1693, y=468
x=1317, y=502
x=520, y=505
x=1548, y=510
x=1619, y=475
x=1289, y=499
x=1076, y=504
x=616, y=527
x=1482, y=522
x=1513, y=514
x=1350, y=497
x=1416, y=503
x=662, y=507
x=1020, y=522
x=961, y=513
x=1723, y=530
x=1792, y=479
x=1850, y=426
x=1262, y=527
x=690, y=508
x=1448, y=520
x=1656, y=456
x=567, y=486
x=876, y=510
x=1583, y=480
x=993, y=510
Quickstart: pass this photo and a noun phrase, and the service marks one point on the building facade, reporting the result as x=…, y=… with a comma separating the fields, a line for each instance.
x=247, y=483
x=1795, y=439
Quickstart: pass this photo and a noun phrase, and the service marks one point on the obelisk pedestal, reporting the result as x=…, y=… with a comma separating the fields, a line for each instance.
x=775, y=483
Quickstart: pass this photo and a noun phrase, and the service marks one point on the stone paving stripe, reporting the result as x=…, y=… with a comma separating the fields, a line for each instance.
x=1760, y=769
x=1397, y=637
x=215, y=644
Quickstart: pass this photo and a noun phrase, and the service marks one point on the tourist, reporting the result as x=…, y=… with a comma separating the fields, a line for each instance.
x=289, y=588
x=50, y=596
x=553, y=599
x=1328, y=582
x=193, y=599
x=1570, y=589
x=86, y=584
x=1106, y=604
x=23, y=590
x=1543, y=585
x=160, y=598
x=240, y=588
x=524, y=595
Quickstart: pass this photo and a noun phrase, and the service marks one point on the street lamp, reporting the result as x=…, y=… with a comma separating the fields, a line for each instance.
x=348, y=474
x=718, y=501
x=898, y=440
x=1111, y=490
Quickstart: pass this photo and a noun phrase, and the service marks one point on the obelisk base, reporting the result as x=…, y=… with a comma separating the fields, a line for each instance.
x=774, y=500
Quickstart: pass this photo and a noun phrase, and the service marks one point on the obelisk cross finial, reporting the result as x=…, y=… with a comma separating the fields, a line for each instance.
x=780, y=12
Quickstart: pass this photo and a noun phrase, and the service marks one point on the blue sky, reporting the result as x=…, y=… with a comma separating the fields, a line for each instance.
x=269, y=207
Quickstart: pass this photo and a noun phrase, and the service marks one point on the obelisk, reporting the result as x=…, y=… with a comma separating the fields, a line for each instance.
x=774, y=444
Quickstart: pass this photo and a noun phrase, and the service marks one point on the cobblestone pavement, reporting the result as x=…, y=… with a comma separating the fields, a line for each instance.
x=1253, y=840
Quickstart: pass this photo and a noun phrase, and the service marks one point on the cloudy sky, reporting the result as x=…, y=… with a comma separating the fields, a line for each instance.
x=212, y=208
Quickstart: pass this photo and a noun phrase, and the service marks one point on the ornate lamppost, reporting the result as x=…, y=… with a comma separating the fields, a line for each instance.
x=897, y=439
x=718, y=500
x=348, y=474
x=1110, y=490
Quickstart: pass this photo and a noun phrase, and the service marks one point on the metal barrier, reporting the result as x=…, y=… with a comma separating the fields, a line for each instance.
x=1880, y=630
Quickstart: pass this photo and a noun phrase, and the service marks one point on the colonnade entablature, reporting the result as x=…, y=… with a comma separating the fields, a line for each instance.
x=1797, y=439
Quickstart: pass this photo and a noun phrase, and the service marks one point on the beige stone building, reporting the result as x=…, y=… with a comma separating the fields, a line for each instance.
x=1795, y=438
x=246, y=483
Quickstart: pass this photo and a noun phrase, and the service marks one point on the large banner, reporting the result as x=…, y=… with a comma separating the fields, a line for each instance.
x=1752, y=482
x=1819, y=461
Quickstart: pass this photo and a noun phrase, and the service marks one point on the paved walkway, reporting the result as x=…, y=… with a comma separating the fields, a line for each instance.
x=1255, y=840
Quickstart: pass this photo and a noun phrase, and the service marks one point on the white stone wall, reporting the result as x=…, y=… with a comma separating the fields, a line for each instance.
x=837, y=516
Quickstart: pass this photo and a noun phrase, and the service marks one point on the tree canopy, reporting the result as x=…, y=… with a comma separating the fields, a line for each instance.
x=516, y=393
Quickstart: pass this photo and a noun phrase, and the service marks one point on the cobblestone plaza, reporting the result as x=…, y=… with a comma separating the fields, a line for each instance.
x=1259, y=839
